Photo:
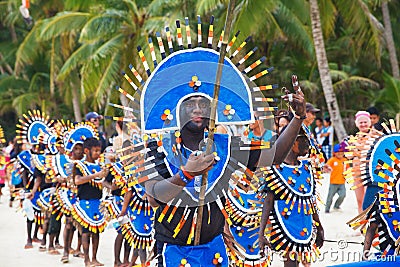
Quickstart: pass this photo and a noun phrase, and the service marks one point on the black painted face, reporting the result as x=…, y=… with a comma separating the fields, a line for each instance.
x=195, y=113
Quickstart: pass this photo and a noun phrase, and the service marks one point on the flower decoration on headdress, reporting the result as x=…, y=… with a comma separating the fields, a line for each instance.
x=195, y=83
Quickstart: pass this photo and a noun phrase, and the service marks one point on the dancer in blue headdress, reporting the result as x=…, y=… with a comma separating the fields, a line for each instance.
x=290, y=211
x=60, y=168
x=88, y=178
x=175, y=108
x=34, y=131
x=380, y=167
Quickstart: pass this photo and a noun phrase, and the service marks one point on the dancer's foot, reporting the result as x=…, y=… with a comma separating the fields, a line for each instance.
x=28, y=246
x=36, y=240
x=64, y=259
x=95, y=262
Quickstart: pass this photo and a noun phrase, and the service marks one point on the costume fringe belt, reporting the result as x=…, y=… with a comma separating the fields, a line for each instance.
x=87, y=214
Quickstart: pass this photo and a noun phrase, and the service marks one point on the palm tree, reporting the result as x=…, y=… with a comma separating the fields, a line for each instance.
x=323, y=67
x=389, y=40
x=104, y=46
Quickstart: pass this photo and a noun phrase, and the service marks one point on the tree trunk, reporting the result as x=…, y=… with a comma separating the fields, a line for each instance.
x=6, y=65
x=323, y=68
x=389, y=40
x=52, y=67
x=13, y=34
x=76, y=104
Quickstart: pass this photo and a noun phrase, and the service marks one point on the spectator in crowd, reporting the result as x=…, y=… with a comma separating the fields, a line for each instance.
x=311, y=114
x=327, y=134
x=375, y=117
x=363, y=123
x=336, y=167
x=95, y=118
x=318, y=130
x=282, y=118
x=257, y=130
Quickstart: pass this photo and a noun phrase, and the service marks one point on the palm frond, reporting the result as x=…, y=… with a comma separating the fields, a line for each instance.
x=390, y=95
x=26, y=101
x=328, y=14
x=338, y=75
x=161, y=7
x=132, y=7
x=29, y=49
x=355, y=82
x=294, y=30
x=12, y=83
x=256, y=16
x=368, y=31
x=78, y=57
x=63, y=22
x=102, y=26
x=309, y=86
x=38, y=80
x=76, y=5
x=112, y=46
x=301, y=8
x=207, y=6
x=98, y=78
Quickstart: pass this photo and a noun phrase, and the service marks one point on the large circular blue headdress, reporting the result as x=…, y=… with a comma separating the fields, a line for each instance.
x=35, y=129
x=192, y=71
x=78, y=133
x=196, y=69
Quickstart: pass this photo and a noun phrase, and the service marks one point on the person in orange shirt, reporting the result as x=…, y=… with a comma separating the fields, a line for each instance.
x=336, y=167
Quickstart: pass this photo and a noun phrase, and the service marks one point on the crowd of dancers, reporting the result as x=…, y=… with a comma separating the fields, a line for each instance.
x=185, y=189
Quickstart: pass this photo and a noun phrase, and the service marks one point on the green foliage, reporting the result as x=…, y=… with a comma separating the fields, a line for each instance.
x=389, y=96
x=63, y=22
x=102, y=26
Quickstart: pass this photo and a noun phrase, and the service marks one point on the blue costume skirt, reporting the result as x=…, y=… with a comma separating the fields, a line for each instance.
x=137, y=229
x=37, y=211
x=64, y=199
x=111, y=207
x=45, y=198
x=209, y=254
x=87, y=213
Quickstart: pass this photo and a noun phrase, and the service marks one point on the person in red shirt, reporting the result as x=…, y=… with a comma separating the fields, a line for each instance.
x=336, y=167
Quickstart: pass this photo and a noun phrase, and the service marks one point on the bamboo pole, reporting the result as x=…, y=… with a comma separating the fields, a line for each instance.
x=213, y=115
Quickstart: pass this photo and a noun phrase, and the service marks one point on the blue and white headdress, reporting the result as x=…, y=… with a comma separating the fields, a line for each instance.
x=192, y=72
x=78, y=133
x=36, y=129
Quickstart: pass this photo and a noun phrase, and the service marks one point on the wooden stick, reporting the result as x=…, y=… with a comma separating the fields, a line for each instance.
x=213, y=115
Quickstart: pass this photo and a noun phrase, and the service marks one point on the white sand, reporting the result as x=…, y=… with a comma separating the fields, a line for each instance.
x=13, y=238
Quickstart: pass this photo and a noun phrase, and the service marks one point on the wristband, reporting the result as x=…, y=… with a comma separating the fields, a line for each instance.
x=299, y=117
x=187, y=175
x=183, y=177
